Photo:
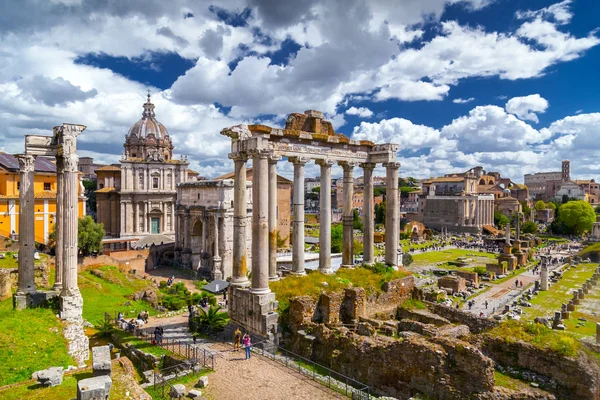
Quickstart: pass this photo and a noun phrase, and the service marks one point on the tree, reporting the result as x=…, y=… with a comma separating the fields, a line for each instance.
x=336, y=238
x=316, y=189
x=379, y=191
x=577, y=216
x=525, y=208
x=380, y=213
x=552, y=205
x=89, y=237
x=90, y=192
x=356, y=221
x=500, y=220
x=530, y=227
x=540, y=205
x=213, y=319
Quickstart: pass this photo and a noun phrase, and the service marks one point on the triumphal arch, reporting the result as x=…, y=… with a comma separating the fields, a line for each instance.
x=306, y=137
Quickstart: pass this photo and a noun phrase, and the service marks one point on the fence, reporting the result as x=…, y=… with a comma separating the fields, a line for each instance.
x=161, y=385
x=304, y=366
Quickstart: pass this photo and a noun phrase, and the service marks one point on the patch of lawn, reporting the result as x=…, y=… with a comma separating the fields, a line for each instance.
x=128, y=337
x=509, y=382
x=188, y=380
x=436, y=257
x=31, y=340
x=551, y=300
x=9, y=261
x=66, y=391
x=312, y=284
x=585, y=253
x=110, y=293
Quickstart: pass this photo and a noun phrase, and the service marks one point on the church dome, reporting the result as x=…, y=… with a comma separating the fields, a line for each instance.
x=148, y=139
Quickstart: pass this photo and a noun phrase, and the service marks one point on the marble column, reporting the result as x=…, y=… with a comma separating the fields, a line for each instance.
x=70, y=225
x=368, y=213
x=217, y=273
x=26, y=278
x=59, y=240
x=273, y=218
x=298, y=223
x=348, y=215
x=544, y=276
x=392, y=214
x=325, y=217
x=172, y=227
x=260, y=222
x=203, y=246
x=240, y=268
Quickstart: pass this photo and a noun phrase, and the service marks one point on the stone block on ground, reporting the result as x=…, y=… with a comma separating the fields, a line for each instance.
x=194, y=394
x=177, y=391
x=101, y=363
x=202, y=382
x=52, y=376
x=96, y=388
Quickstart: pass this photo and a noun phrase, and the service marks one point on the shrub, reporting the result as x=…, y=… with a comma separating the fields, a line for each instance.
x=480, y=270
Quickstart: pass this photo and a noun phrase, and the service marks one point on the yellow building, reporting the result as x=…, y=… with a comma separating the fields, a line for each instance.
x=45, y=197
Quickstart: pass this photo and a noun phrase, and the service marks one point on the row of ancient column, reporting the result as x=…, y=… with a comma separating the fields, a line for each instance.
x=264, y=217
x=67, y=213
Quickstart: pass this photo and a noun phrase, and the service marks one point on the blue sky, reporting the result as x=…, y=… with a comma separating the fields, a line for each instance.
x=507, y=84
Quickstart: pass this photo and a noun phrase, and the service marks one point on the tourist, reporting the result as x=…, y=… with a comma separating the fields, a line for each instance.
x=481, y=314
x=237, y=337
x=486, y=304
x=517, y=283
x=247, y=343
x=120, y=317
x=145, y=316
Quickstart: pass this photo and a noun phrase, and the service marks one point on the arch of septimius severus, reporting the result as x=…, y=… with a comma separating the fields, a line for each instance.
x=305, y=137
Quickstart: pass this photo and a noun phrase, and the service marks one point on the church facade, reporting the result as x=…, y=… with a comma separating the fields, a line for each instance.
x=138, y=197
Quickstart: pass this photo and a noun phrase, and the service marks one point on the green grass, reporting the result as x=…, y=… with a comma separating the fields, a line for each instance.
x=31, y=340
x=66, y=391
x=508, y=382
x=10, y=262
x=127, y=337
x=594, y=248
x=413, y=304
x=110, y=293
x=549, y=301
x=188, y=380
x=435, y=257
x=539, y=335
x=311, y=284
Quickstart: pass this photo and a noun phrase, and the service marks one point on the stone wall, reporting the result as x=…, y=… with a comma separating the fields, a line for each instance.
x=9, y=278
x=440, y=368
x=475, y=323
x=572, y=378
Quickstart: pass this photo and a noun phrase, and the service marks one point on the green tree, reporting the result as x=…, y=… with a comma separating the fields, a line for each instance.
x=500, y=220
x=552, y=205
x=379, y=191
x=89, y=237
x=336, y=238
x=380, y=213
x=356, y=221
x=407, y=259
x=530, y=227
x=316, y=189
x=540, y=205
x=357, y=247
x=90, y=192
x=525, y=209
x=577, y=216
x=214, y=319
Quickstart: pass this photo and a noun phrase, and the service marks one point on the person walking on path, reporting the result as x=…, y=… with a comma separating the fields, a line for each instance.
x=247, y=343
x=237, y=338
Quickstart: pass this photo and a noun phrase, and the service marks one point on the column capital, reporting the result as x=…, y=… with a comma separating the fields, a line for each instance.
x=298, y=160
x=273, y=159
x=240, y=156
x=392, y=165
x=260, y=153
x=324, y=163
x=71, y=130
x=70, y=163
x=26, y=162
x=347, y=164
x=368, y=165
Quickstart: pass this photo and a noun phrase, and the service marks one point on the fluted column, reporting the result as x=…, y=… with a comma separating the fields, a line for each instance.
x=348, y=215
x=392, y=214
x=70, y=225
x=59, y=240
x=273, y=218
x=172, y=227
x=298, y=223
x=325, y=217
x=26, y=279
x=260, y=222
x=217, y=273
x=368, y=211
x=240, y=268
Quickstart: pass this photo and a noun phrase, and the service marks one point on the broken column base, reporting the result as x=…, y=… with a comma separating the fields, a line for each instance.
x=71, y=307
x=96, y=388
x=254, y=312
x=32, y=300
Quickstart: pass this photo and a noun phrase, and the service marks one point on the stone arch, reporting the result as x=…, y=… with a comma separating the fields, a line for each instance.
x=482, y=181
x=491, y=182
x=197, y=245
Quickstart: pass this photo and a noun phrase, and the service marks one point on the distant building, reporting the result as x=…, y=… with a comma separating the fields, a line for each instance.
x=544, y=185
x=88, y=168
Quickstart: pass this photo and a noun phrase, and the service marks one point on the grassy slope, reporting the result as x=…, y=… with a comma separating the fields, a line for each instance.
x=100, y=295
x=547, y=302
x=435, y=257
x=31, y=340
x=311, y=285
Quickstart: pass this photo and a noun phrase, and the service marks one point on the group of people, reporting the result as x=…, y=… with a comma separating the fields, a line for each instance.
x=132, y=324
x=170, y=280
x=244, y=340
x=518, y=283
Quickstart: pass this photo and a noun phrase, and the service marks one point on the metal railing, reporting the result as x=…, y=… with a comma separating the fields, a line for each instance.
x=161, y=384
x=319, y=373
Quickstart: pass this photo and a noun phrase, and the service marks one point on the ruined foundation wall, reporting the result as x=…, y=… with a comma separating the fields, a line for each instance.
x=475, y=324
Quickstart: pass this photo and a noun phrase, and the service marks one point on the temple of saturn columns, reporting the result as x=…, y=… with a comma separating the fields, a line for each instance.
x=305, y=137
x=62, y=146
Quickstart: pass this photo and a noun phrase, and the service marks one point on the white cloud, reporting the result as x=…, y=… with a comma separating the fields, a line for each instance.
x=526, y=107
x=398, y=130
x=362, y=112
x=560, y=12
x=463, y=101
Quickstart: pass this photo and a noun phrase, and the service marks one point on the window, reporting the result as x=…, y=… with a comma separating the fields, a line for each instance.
x=101, y=186
x=154, y=183
x=47, y=186
x=18, y=185
x=141, y=181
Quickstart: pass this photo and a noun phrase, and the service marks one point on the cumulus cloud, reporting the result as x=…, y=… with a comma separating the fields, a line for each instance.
x=51, y=92
x=559, y=12
x=527, y=107
x=362, y=112
x=398, y=130
x=463, y=101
